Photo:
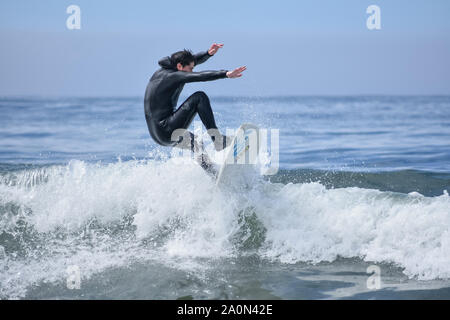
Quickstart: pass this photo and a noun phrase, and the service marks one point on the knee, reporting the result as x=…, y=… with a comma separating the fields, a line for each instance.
x=200, y=95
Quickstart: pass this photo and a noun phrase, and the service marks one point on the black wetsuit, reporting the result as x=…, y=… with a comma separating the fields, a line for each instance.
x=161, y=97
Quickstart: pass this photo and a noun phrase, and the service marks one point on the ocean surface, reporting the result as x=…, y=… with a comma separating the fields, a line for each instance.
x=92, y=208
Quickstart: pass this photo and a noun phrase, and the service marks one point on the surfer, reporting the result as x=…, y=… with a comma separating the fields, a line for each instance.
x=166, y=125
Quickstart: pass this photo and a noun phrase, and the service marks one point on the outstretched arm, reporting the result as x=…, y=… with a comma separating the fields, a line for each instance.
x=185, y=77
x=204, y=55
x=201, y=57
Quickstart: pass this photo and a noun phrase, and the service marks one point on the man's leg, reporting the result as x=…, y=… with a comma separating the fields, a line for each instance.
x=189, y=141
x=183, y=116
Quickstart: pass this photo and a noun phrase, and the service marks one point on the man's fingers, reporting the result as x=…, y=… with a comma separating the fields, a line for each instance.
x=237, y=72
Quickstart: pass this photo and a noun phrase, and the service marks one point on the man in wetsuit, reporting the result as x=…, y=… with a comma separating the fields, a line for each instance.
x=166, y=125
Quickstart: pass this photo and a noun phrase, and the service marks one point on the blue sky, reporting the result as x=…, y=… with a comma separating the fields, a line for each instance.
x=289, y=47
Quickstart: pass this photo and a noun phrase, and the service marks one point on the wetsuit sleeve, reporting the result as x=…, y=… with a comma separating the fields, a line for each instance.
x=201, y=57
x=184, y=77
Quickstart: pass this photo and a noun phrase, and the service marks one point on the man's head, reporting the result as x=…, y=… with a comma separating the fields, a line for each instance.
x=183, y=60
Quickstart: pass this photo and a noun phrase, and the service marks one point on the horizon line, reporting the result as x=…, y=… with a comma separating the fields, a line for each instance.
x=53, y=96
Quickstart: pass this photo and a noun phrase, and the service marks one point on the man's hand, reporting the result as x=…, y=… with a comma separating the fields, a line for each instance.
x=214, y=48
x=236, y=73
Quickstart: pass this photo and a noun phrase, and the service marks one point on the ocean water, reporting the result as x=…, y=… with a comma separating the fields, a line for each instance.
x=92, y=208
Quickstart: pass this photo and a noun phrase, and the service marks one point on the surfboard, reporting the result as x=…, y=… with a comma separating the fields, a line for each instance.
x=241, y=157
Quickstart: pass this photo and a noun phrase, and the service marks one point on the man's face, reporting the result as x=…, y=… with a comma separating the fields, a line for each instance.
x=186, y=68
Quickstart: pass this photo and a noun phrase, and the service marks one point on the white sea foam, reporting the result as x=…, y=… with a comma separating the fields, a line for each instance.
x=177, y=212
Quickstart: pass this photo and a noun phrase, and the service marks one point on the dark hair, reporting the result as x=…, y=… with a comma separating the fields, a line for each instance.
x=184, y=57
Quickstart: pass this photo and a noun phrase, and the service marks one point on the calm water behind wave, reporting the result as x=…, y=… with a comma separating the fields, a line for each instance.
x=351, y=133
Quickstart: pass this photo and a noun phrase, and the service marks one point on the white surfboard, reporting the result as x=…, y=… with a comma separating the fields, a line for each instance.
x=241, y=157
